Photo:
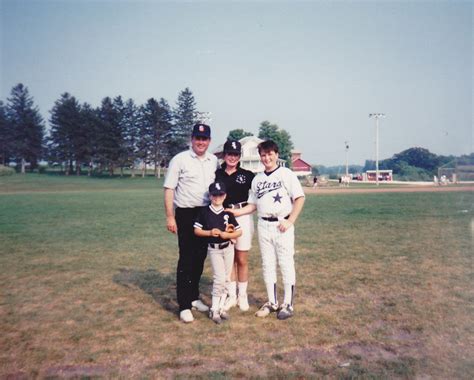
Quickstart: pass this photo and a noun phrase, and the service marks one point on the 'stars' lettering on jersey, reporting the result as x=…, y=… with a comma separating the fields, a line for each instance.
x=267, y=187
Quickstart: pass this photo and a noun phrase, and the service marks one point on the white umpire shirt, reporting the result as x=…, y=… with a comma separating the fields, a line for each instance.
x=274, y=192
x=190, y=176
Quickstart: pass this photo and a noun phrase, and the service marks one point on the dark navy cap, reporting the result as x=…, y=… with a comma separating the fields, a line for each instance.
x=232, y=146
x=217, y=188
x=202, y=130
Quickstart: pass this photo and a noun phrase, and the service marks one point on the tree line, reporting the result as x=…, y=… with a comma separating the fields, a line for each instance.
x=418, y=164
x=116, y=135
x=413, y=164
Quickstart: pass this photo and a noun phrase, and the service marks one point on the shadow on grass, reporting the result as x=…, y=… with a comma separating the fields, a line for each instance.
x=162, y=287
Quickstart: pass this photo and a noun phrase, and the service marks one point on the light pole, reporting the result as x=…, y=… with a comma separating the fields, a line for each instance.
x=347, y=161
x=377, y=116
x=202, y=117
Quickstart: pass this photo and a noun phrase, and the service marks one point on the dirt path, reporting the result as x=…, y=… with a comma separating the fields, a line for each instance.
x=401, y=189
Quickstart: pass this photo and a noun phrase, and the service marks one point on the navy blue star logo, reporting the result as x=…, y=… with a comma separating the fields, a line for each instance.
x=277, y=198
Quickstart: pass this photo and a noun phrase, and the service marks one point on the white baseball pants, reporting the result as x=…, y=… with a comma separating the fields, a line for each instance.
x=277, y=247
x=222, y=261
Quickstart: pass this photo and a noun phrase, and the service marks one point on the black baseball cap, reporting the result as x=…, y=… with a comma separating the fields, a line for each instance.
x=232, y=146
x=217, y=188
x=201, y=130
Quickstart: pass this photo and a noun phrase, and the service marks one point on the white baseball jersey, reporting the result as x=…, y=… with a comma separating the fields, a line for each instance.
x=274, y=192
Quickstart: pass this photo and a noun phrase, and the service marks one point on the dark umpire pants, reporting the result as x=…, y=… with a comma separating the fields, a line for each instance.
x=192, y=253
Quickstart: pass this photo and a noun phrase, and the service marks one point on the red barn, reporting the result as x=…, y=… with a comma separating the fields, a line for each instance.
x=298, y=165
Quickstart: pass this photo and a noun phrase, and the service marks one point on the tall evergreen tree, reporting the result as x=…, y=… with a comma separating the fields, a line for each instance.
x=110, y=138
x=166, y=127
x=27, y=127
x=185, y=118
x=144, y=138
x=121, y=133
x=67, y=138
x=281, y=137
x=130, y=120
x=91, y=125
x=156, y=119
x=6, y=138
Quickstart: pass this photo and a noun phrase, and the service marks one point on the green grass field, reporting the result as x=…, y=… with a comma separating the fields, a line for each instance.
x=384, y=288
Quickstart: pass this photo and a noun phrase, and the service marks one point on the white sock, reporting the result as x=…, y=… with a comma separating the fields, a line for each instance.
x=215, y=303
x=243, y=288
x=232, y=289
x=289, y=293
x=272, y=292
x=222, y=301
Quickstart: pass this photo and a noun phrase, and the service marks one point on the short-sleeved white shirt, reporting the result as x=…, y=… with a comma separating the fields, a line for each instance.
x=275, y=192
x=190, y=176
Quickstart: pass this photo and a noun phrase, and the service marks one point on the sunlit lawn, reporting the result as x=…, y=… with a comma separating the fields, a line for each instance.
x=384, y=288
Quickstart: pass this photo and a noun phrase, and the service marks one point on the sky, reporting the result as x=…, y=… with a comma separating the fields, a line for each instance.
x=315, y=68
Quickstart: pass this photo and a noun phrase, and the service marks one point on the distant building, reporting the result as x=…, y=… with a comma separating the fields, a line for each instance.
x=250, y=158
x=384, y=175
x=298, y=165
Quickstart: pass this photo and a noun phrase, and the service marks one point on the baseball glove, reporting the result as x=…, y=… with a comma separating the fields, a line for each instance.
x=230, y=228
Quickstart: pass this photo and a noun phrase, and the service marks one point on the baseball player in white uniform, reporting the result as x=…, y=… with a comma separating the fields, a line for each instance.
x=278, y=197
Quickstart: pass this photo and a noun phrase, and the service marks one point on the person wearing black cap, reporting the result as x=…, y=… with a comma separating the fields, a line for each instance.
x=237, y=181
x=186, y=192
x=218, y=227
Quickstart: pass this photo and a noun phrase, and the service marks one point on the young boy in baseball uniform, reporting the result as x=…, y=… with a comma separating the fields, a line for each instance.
x=278, y=197
x=219, y=227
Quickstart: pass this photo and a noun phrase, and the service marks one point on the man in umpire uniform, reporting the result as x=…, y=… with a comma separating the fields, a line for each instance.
x=186, y=191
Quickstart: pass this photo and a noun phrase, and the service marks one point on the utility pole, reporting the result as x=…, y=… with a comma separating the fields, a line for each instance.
x=347, y=160
x=377, y=116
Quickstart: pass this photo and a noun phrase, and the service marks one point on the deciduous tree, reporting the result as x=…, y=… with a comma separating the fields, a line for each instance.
x=237, y=134
x=281, y=137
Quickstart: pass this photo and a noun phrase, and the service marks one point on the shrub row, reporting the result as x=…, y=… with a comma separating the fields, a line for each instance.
x=5, y=170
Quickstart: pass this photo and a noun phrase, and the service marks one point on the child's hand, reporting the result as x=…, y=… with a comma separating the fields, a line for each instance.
x=216, y=232
x=224, y=235
x=284, y=225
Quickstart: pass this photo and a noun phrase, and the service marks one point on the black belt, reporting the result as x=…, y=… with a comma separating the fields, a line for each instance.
x=219, y=246
x=238, y=205
x=273, y=218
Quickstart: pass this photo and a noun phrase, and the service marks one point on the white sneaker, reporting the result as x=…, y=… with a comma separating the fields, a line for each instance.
x=199, y=306
x=243, y=302
x=186, y=316
x=266, y=309
x=230, y=302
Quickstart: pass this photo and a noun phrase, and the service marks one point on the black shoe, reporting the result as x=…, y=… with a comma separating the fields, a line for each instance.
x=286, y=311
